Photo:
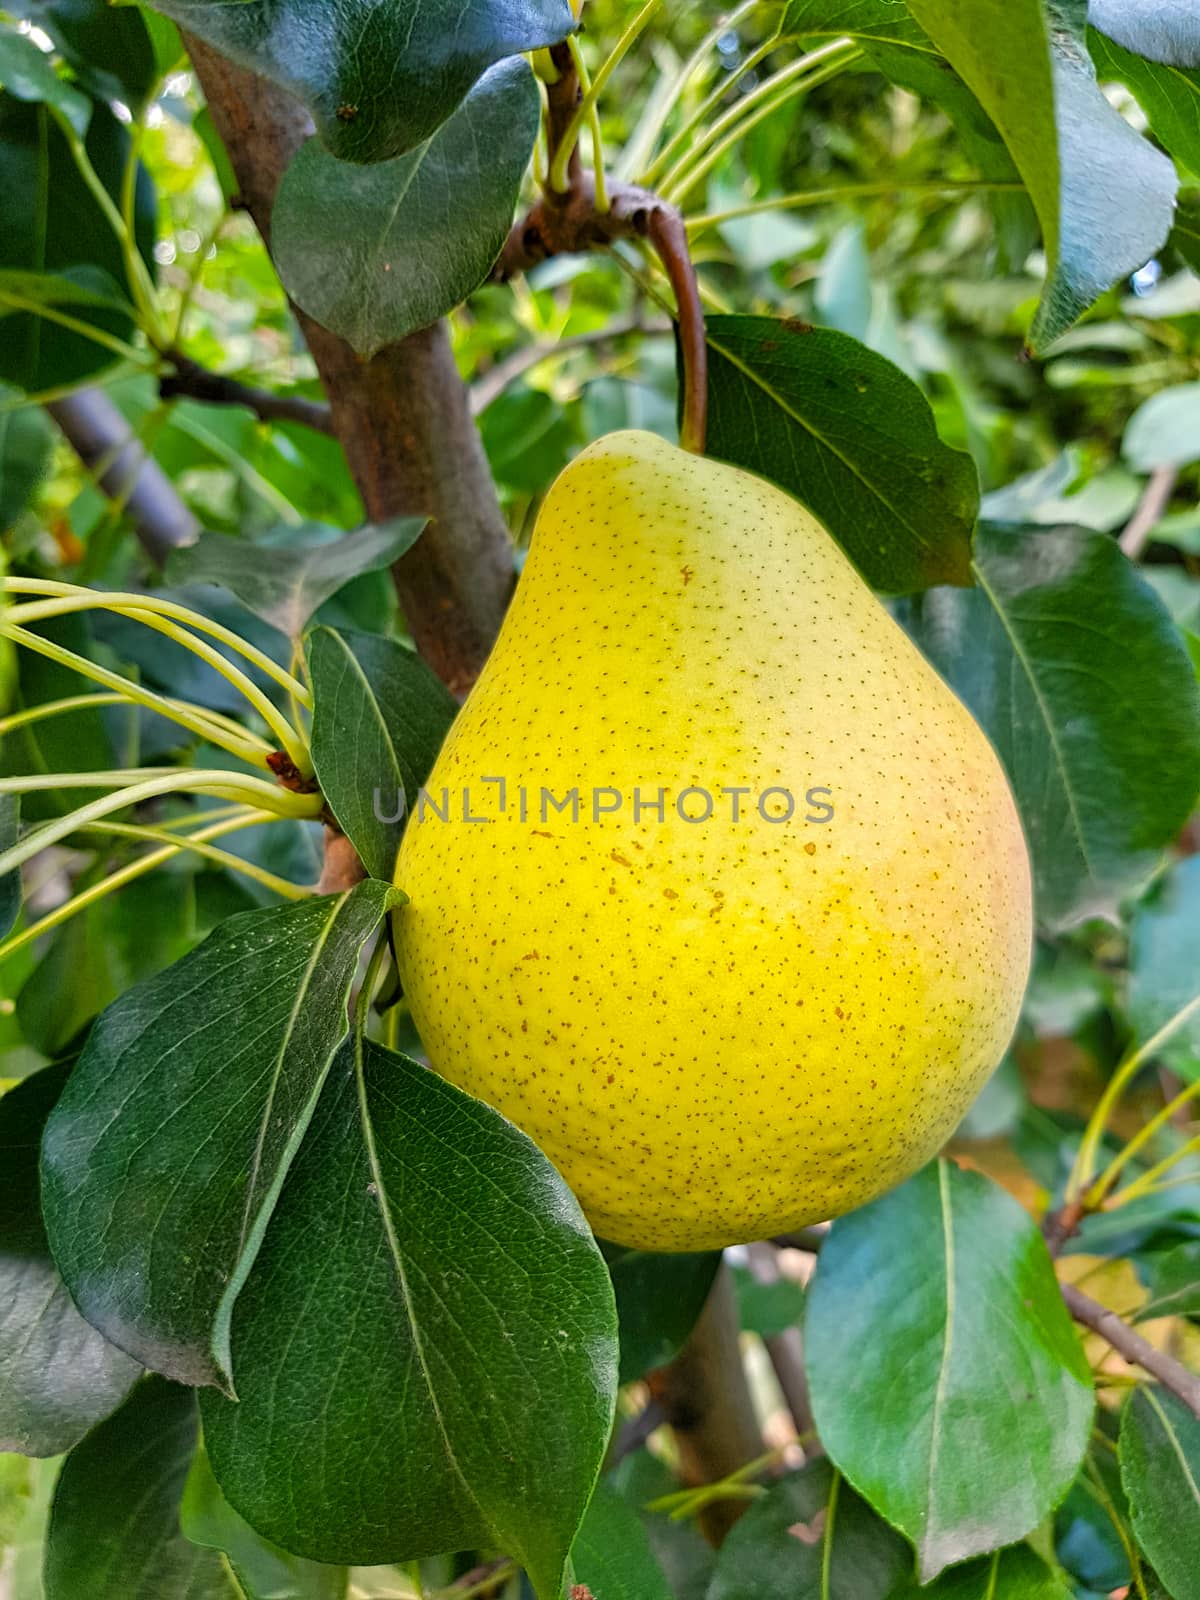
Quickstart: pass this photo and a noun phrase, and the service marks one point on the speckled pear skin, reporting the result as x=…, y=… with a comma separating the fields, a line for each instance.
x=717, y=1031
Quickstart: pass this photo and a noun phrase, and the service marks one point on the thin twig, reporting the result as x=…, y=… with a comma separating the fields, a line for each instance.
x=1155, y=498
x=193, y=382
x=497, y=379
x=570, y=221
x=126, y=472
x=1172, y=1374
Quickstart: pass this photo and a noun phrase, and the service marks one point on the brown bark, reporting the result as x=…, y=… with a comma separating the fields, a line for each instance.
x=104, y=442
x=705, y=1397
x=403, y=418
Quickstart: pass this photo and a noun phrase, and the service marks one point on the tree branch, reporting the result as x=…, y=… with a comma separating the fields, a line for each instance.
x=403, y=418
x=105, y=442
x=194, y=382
x=1156, y=496
x=1172, y=1374
x=705, y=1397
x=785, y=1350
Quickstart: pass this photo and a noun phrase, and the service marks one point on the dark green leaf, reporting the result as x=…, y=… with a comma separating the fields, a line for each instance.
x=264, y=1571
x=58, y=1376
x=164, y=1158
x=108, y=45
x=50, y=223
x=285, y=584
x=948, y=1382
x=379, y=718
x=1104, y=196
x=10, y=883
x=374, y=253
x=114, y=1526
x=612, y=1553
x=680, y=1549
x=26, y=440
x=768, y=1309
x=27, y=73
x=378, y=78
x=1169, y=95
x=659, y=1298
x=850, y=436
x=77, y=286
x=1174, y=1284
x=1164, y=431
x=1185, y=235
x=1085, y=687
x=777, y=1550
x=1163, y=30
x=99, y=953
x=1164, y=964
x=1013, y=1574
x=1160, y=1468
x=430, y=1277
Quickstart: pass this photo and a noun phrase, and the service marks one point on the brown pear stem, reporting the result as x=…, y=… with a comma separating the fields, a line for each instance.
x=665, y=230
x=569, y=223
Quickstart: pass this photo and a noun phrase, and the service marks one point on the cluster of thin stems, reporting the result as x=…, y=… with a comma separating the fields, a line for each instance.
x=253, y=797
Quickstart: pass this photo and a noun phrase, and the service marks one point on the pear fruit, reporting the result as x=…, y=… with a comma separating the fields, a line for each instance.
x=756, y=970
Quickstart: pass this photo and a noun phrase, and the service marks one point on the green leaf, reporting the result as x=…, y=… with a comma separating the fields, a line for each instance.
x=1164, y=964
x=887, y=21
x=58, y=1376
x=263, y=1571
x=1017, y=1573
x=164, y=1158
x=904, y=52
x=1061, y=652
x=108, y=46
x=850, y=436
x=1169, y=95
x=612, y=1554
x=1164, y=431
x=1104, y=196
x=379, y=76
x=1160, y=1468
x=114, y=1525
x=285, y=584
x=28, y=73
x=659, y=1298
x=777, y=1550
x=1163, y=30
x=1185, y=235
x=948, y=1382
x=77, y=286
x=10, y=883
x=50, y=223
x=431, y=1278
x=1174, y=1284
x=374, y=253
x=379, y=718
x=768, y=1309
x=26, y=441
x=91, y=959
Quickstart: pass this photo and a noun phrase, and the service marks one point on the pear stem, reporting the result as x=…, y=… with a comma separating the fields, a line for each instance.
x=579, y=211
x=665, y=230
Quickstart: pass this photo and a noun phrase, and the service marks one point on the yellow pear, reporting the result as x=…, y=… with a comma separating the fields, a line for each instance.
x=746, y=922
